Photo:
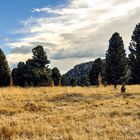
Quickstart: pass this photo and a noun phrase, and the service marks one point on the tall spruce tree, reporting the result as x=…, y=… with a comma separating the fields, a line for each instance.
x=34, y=72
x=116, y=61
x=5, y=78
x=95, y=72
x=134, y=56
x=56, y=76
x=40, y=58
x=63, y=80
x=38, y=72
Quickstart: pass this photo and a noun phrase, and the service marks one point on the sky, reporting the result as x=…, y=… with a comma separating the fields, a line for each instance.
x=71, y=31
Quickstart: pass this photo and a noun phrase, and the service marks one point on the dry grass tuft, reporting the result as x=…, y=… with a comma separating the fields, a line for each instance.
x=6, y=134
x=67, y=113
x=32, y=107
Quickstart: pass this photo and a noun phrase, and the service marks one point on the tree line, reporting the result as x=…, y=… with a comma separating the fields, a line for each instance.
x=118, y=68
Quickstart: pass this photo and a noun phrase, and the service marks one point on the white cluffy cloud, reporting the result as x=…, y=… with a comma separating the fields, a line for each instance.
x=78, y=31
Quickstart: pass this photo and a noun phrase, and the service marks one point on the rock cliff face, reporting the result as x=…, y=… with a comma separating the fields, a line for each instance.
x=79, y=72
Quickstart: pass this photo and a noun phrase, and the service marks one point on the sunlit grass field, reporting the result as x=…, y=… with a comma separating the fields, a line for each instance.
x=69, y=113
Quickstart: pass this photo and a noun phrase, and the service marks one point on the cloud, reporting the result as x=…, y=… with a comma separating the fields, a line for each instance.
x=15, y=58
x=79, y=30
x=120, y=1
x=21, y=50
x=3, y=38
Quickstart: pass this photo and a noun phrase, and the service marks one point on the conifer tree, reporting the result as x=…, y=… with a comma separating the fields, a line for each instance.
x=95, y=72
x=35, y=71
x=40, y=57
x=56, y=76
x=73, y=82
x=63, y=80
x=134, y=56
x=19, y=75
x=5, y=78
x=116, y=61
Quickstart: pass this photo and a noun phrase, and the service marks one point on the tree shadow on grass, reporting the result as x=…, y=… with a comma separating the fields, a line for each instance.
x=73, y=97
x=127, y=95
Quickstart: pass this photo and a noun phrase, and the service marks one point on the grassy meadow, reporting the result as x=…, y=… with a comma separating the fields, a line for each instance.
x=69, y=113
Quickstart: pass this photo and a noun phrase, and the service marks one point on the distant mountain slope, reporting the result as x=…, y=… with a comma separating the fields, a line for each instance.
x=82, y=70
x=78, y=72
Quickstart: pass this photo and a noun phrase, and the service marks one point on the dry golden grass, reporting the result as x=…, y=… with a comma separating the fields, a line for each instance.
x=58, y=113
